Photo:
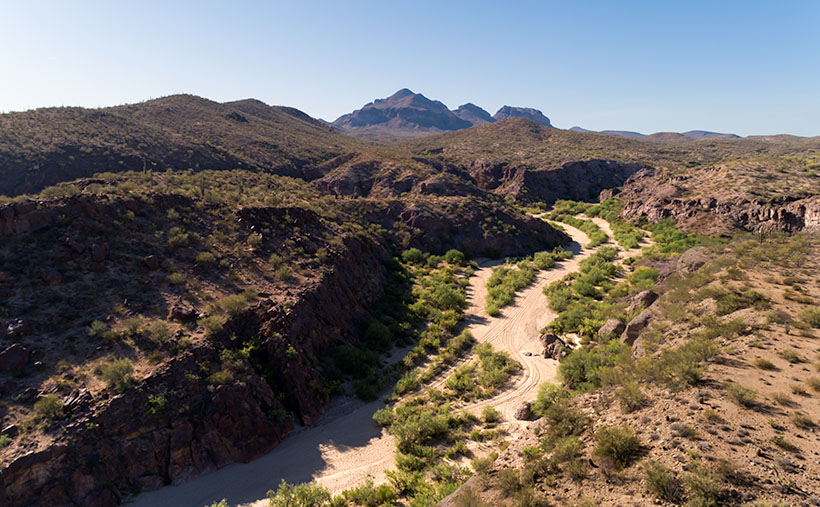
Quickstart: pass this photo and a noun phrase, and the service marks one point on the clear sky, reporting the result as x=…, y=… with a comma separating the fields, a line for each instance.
x=749, y=67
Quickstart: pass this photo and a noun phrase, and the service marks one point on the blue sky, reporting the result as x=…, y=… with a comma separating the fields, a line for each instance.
x=749, y=67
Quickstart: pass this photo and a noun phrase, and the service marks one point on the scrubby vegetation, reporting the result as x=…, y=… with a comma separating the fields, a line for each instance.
x=507, y=279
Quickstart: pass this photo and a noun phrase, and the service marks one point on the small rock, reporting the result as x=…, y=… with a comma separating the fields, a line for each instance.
x=182, y=313
x=10, y=430
x=18, y=327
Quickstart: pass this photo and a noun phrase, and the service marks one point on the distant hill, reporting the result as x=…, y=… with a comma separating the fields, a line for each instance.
x=42, y=147
x=522, y=112
x=406, y=114
x=661, y=136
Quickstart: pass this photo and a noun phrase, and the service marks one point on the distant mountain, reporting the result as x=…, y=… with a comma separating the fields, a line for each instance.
x=661, y=136
x=408, y=114
x=403, y=114
x=473, y=114
x=522, y=112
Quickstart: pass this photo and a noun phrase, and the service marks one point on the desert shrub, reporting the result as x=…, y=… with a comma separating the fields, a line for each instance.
x=490, y=415
x=619, y=445
x=780, y=441
x=100, y=329
x=791, y=356
x=284, y=273
x=117, y=373
x=643, y=277
x=703, y=486
x=413, y=256
x=158, y=331
x=254, y=240
x=631, y=397
x=814, y=383
x=234, y=304
x=563, y=421
x=505, y=281
x=205, y=259
x=548, y=395
x=669, y=239
x=175, y=278
x=581, y=369
x=661, y=482
x=5, y=440
x=48, y=408
x=811, y=316
x=298, y=495
x=684, y=431
x=454, y=257
x=156, y=405
x=803, y=421
x=799, y=390
x=384, y=416
x=179, y=237
x=212, y=324
x=743, y=396
x=764, y=364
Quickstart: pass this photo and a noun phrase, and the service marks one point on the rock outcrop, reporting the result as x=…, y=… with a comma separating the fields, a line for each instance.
x=612, y=327
x=635, y=326
x=554, y=347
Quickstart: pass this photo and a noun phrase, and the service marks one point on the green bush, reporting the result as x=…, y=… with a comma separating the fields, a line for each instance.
x=617, y=444
x=454, y=257
x=743, y=396
x=299, y=495
x=643, y=277
x=490, y=415
x=100, y=329
x=703, y=486
x=661, y=482
x=212, y=323
x=234, y=304
x=548, y=395
x=205, y=259
x=413, y=256
x=811, y=316
x=631, y=397
x=158, y=331
x=117, y=373
x=5, y=441
x=48, y=408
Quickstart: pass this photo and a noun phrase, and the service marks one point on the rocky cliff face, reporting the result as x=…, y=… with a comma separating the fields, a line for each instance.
x=581, y=181
x=650, y=195
x=121, y=445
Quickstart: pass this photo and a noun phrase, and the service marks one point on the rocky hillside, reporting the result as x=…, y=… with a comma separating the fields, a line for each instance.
x=43, y=147
x=704, y=394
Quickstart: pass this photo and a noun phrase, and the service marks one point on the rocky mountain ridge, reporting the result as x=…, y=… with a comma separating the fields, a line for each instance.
x=408, y=114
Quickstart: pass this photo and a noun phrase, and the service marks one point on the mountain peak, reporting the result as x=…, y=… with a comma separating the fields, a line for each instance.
x=522, y=112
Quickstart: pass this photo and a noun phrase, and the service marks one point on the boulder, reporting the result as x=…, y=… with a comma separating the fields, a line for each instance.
x=182, y=313
x=549, y=339
x=523, y=412
x=14, y=358
x=98, y=252
x=635, y=326
x=152, y=262
x=692, y=260
x=643, y=299
x=555, y=350
x=612, y=327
